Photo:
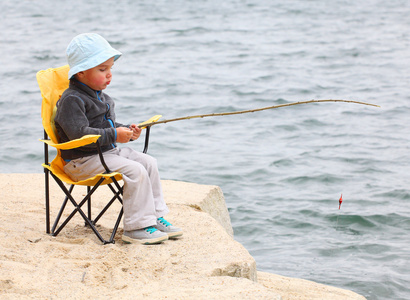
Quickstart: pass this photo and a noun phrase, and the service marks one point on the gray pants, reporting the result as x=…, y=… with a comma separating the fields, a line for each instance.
x=143, y=200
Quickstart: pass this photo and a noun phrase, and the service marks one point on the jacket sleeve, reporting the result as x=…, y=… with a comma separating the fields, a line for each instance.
x=74, y=123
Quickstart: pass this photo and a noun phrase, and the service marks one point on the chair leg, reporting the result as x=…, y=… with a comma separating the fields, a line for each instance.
x=89, y=203
x=47, y=191
x=47, y=185
x=116, y=226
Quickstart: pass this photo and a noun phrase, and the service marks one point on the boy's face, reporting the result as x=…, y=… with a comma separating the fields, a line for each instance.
x=99, y=77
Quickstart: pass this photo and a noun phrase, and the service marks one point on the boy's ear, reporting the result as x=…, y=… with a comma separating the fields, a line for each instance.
x=80, y=75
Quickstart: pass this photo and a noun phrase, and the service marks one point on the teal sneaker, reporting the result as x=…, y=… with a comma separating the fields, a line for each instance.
x=164, y=226
x=147, y=236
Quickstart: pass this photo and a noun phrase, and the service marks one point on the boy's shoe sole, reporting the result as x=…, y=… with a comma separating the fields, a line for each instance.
x=174, y=235
x=159, y=240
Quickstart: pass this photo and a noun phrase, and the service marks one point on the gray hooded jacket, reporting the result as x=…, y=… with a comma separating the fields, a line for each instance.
x=81, y=111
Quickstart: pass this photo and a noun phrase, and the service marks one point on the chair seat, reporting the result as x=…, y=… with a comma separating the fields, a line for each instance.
x=59, y=172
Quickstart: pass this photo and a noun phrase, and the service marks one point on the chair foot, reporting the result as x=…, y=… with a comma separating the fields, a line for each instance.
x=88, y=225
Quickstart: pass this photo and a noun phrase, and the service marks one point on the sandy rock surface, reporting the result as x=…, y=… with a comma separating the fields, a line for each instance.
x=206, y=263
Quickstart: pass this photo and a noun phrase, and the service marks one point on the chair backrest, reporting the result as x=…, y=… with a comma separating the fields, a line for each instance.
x=53, y=82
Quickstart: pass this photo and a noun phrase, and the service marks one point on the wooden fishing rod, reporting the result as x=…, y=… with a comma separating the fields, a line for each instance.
x=150, y=122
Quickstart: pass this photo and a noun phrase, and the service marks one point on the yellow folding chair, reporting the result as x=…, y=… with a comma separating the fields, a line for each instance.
x=52, y=84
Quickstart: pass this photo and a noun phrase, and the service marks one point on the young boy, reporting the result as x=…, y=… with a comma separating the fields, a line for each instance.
x=85, y=109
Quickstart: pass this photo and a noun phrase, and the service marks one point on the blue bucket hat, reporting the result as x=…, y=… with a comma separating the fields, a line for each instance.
x=87, y=51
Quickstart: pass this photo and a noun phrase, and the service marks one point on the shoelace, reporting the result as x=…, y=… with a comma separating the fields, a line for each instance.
x=164, y=222
x=150, y=229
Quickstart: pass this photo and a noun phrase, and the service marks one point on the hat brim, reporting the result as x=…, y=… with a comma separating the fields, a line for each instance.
x=94, y=61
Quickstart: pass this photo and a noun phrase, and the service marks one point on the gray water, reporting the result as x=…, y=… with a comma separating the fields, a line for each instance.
x=282, y=171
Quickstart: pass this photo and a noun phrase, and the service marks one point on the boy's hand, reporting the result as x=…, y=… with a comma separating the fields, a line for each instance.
x=136, y=131
x=124, y=135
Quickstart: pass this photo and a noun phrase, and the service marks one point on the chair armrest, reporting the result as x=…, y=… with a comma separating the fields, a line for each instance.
x=85, y=140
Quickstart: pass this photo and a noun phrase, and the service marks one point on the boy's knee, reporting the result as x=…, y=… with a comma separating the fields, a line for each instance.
x=152, y=161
